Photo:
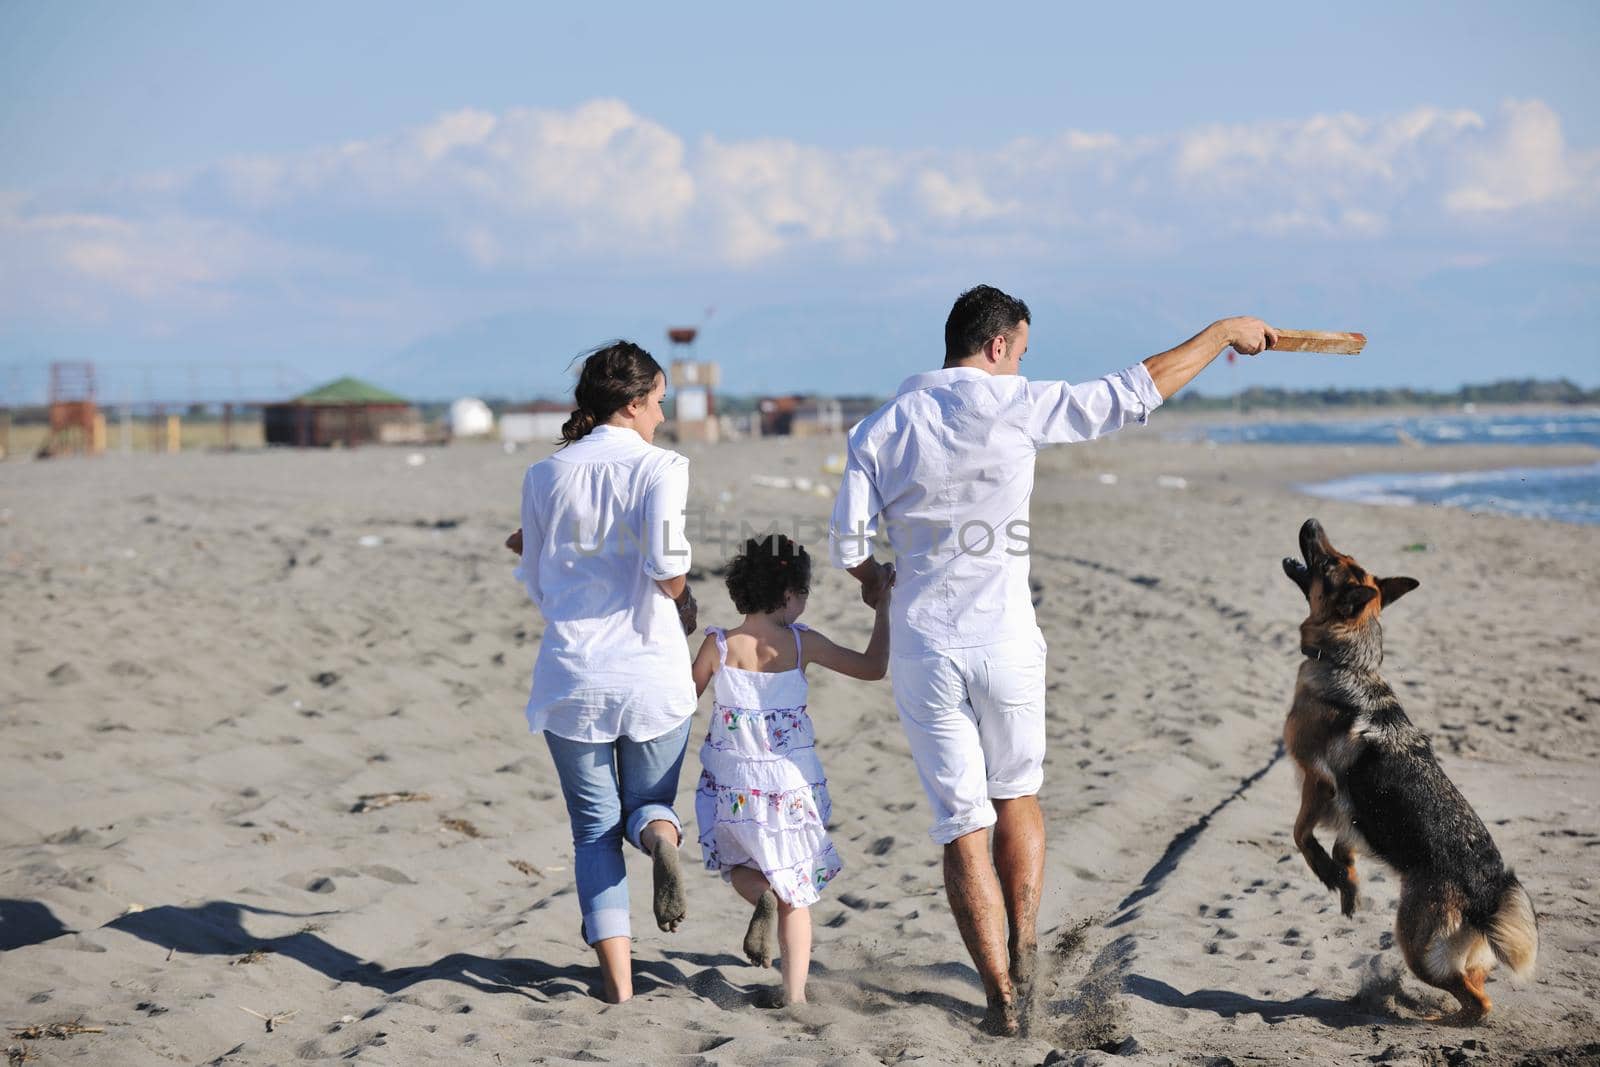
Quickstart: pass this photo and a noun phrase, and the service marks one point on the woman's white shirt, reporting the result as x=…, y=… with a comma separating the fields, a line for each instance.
x=602, y=519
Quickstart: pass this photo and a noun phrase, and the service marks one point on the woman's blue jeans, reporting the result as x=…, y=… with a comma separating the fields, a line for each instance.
x=614, y=788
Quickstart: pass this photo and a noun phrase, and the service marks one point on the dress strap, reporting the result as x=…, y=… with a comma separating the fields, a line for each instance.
x=722, y=643
x=799, y=655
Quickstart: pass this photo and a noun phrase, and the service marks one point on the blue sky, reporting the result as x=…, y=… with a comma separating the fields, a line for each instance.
x=214, y=197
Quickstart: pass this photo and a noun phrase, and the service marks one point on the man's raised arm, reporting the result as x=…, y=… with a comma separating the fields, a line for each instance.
x=1176, y=367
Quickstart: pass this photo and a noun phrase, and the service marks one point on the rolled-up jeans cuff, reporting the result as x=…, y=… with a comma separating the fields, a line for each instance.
x=606, y=922
x=645, y=816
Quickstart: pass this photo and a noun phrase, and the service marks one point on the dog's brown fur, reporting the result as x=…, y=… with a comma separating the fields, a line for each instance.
x=1370, y=774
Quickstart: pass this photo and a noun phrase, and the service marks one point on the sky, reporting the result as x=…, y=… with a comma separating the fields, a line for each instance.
x=227, y=200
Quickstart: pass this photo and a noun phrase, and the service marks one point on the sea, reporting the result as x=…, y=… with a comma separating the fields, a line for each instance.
x=1565, y=494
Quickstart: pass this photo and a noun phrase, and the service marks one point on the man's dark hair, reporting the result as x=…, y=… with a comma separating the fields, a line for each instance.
x=981, y=313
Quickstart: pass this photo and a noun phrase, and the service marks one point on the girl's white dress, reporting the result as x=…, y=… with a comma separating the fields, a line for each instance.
x=763, y=799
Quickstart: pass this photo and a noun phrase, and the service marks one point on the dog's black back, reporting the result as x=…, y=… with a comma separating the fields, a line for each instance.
x=1415, y=819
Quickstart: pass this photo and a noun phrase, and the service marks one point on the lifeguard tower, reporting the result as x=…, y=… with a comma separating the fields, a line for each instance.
x=693, y=381
x=76, y=424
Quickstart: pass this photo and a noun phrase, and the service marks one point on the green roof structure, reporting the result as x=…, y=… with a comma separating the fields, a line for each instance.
x=349, y=391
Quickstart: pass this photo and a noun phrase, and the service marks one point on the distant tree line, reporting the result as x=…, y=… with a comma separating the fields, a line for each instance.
x=1510, y=391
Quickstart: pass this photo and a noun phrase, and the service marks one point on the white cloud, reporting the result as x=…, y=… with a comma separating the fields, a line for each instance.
x=503, y=193
x=1523, y=161
x=764, y=196
x=530, y=187
x=957, y=199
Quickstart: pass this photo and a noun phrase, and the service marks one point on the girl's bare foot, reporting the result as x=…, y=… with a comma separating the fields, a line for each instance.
x=760, y=940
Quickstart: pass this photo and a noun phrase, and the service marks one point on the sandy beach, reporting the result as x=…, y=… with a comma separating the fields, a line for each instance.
x=269, y=794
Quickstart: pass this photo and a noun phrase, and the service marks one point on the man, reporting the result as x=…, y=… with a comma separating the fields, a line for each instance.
x=944, y=471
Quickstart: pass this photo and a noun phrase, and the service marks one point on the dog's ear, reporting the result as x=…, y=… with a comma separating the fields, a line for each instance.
x=1350, y=601
x=1395, y=588
x=1298, y=574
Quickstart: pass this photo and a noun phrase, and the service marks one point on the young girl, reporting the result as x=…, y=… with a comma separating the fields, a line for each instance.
x=763, y=804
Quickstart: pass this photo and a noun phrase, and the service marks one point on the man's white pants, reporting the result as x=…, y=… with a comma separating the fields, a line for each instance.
x=975, y=720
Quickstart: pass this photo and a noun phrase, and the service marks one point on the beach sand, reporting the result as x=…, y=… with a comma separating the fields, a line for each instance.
x=207, y=669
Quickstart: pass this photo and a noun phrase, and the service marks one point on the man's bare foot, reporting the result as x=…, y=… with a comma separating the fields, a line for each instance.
x=1001, y=1018
x=760, y=940
x=1024, y=961
x=670, y=905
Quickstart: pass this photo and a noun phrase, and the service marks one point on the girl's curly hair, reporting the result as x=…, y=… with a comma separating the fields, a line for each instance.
x=762, y=576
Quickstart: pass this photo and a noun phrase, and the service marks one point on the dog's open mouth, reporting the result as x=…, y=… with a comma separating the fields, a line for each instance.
x=1314, y=547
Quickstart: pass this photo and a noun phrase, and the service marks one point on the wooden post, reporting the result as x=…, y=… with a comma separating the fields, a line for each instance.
x=97, y=436
x=174, y=433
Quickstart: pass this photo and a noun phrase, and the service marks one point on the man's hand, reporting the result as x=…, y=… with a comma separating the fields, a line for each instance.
x=1248, y=336
x=875, y=579
x=1176, y=367
x=514, y=542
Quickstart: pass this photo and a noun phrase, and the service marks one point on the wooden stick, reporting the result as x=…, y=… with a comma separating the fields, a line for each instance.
x=1344, y=344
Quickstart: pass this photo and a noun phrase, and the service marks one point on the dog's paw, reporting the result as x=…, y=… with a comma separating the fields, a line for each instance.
x=1349, y=900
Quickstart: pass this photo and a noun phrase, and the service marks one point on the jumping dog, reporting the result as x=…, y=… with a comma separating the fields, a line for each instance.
x=1370, y=775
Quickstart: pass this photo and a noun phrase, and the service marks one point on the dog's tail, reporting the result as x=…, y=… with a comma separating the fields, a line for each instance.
x=1513, y=930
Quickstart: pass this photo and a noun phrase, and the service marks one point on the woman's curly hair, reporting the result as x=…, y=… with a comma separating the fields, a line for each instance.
x=762, y=576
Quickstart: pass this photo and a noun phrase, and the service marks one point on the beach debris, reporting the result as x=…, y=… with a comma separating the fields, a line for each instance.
x=370, y=541
x=59, y=1031
x=460, y=826
x=416, y=459
x=374, y=801
x=324, y=679
x=524, y=867
x=64, y=674
x=1172, y=481
x=1106, y=478
x=770, y=481
x=273, y=1020
x=133, y=909
x=1416, y=546
x=19, y=1054
x=255, y=955
x=834, y=464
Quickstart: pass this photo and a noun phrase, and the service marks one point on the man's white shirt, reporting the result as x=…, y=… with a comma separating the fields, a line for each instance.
x=944, y=472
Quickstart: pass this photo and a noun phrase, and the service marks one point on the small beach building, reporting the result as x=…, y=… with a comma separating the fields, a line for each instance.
x=347, y=412
x=538, y=423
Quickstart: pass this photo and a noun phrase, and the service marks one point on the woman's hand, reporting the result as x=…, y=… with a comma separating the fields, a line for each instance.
x=688, y=610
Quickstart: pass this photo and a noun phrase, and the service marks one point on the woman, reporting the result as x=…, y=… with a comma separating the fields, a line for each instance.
x=604, y=558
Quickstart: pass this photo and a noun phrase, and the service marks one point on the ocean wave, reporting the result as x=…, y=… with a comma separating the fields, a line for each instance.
x=1564, y=494
x=1543, y=428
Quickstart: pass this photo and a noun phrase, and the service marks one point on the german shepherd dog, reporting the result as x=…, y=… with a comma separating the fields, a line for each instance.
x=1369, y=774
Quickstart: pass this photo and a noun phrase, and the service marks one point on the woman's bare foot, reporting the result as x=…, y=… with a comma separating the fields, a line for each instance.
x=670, y=905
x=760, y=940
